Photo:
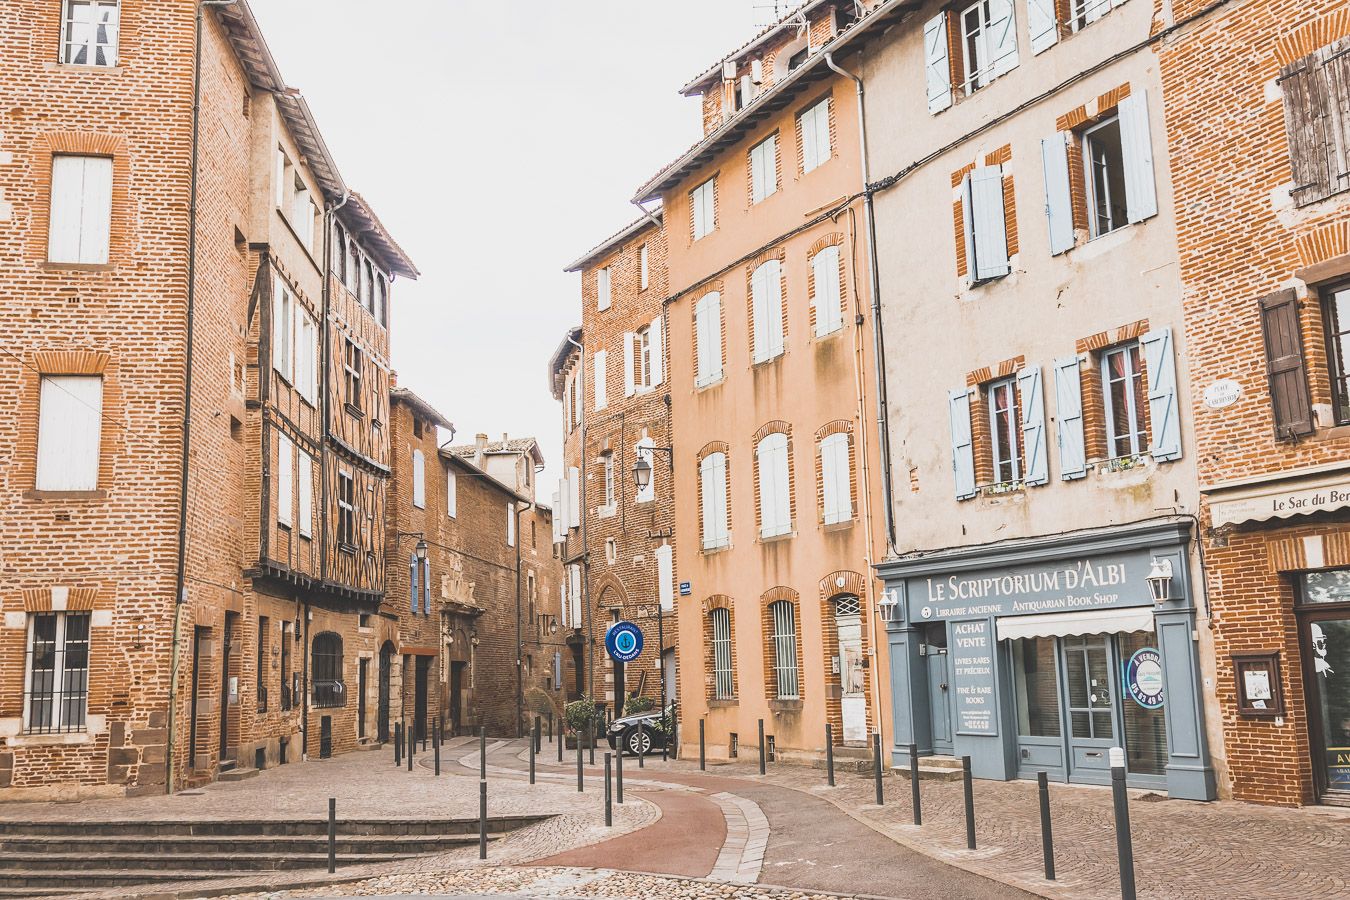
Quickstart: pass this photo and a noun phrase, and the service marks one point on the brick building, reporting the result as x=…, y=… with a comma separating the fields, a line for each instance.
x=617, y=539
x=1255, y=102
x=219, y=583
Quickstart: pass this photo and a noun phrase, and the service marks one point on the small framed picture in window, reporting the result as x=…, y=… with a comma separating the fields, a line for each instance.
x=1260, y=692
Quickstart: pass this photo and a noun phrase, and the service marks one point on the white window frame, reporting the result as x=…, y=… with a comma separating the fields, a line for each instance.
x=703, y=208
x=347, y=507
x=1095, y=229
x=79, y=227
x=451, y=497
x=285, y=478
x=724, y=681
x=827, y=295
x=305, y=489
x=1012, y=417
x=984, y=68
x=306, y=355
x=419, y=479
x=604, y=296
x=764, y=169
x=69, y=46
x=784, y=616
x=283, y=331
x=817, y=148
x=59, y=720
x=70, y=432
x=607, y=461
x=1138, y=438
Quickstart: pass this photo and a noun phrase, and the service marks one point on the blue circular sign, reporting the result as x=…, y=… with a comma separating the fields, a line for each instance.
x=1144, y=678
x=624, y=641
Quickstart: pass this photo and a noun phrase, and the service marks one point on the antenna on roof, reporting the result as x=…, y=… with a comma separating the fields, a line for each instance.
x=771, y=12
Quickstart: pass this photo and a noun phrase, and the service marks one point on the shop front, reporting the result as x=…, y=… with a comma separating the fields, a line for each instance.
x=1040, y=655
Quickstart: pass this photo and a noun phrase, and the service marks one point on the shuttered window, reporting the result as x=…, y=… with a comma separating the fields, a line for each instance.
x=1316, y=92
x=815, y=136
x=414, y=582
x=305, y=488
x=703, y=206
x=1001, y=400
x=285, y=473
x=89, y=32
x=827, y=295
x=937, y=63
x=81, y=210
x=1164, y=407
x=665, y=576
x=766, y=290
x=283, y=330
x=451, y=498
x=963, y=444
x=1286, y=366
x=1069, y=418
x=764, y=169
x=307, y=356
x=708, y=337
x=600, y=361
x=1123, y=398
x=70, y=427
x=1058, y=193
x=988, y=31
x=1031, y=402
x=986, y=225
x=602, y=289
x=510, y=524
x=419, y=479
x=712, y=472
x=775, y=491
x=785, y=649
x=724, y=682
x=1042, y=25
x=643, y=275
x=836, y=479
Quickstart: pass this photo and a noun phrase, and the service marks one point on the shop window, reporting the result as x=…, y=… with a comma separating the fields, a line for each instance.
x=1088, y=674
x=1145, y=728
x=1037, y=687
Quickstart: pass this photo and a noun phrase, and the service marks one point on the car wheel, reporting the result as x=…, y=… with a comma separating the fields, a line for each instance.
x=638, y=741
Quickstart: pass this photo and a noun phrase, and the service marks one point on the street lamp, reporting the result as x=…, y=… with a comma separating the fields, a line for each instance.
x=888, y=607
x=642, y=473
x=1160, y=580
x=421, y=550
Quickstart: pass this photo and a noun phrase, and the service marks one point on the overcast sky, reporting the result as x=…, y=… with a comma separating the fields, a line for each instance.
x=498, y=142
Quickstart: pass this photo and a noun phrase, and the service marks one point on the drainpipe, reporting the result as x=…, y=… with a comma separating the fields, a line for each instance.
x=585, y=548
x=325, y=360
x=180, y=580
x=520, y=509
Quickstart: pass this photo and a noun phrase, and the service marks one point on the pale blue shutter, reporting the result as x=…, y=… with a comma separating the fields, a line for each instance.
x=937, y=64
x=1031, y=392
x=963, y=447
x=1058, y=198
x=1041, y=21
x=1141, y=192
x=1002, y=31
x=988, y=220
x=426, y=585
x=1161, y=368
x=413, y=589
x=1069, y=413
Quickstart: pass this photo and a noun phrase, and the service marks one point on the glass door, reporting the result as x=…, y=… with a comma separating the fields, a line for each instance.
x=1091, y=700
x=1326, y=660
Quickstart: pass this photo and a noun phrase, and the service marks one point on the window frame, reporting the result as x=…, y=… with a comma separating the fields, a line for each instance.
x=1011, y=416
x=1337, y=373
x=604, y=289
x=703, y=208
x=328, y=692
x=1135, y=400
x=67, y=20
x=724, y=680
x=1090, y=190
x=60, y=693
x=766, y=184
x=352, y=366
x=607, y=462
x=90, y=470
x=783, y=614
x=642, y=358
x=346, y=523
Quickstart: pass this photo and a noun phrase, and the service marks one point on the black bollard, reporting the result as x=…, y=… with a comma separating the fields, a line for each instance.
x=550, y=726
x=914, y=783
x=702, y=749
x=436, y=748
x=560, y=743
x=1124, y=842
x=398, y=744
x=609, y=796
x=642, y=750
x=581, y=784
x=590, y=738
x=332, y=835
x=1047, y=839
x=412, y=745
x=426, y=726
x=761, y=746
x=829, y=753
x=876, y=765
x=970, y=802
x=482, y=753
x=482, y=820
x=618, y=771
x=537, y=745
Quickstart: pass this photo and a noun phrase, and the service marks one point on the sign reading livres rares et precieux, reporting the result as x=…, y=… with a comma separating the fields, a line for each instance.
x=1101, y=582
x=971, y=651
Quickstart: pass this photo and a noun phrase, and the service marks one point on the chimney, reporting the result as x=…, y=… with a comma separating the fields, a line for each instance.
x=480, y=442
x=505, y=437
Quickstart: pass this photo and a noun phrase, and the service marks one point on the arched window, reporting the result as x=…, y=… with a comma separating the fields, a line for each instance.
x=724, y=685
x=775, y=492
x=784, y=616
x=329, y=689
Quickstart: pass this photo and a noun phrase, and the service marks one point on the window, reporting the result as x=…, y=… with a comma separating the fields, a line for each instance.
x=775, y=492
x=1336, y=312
x=764, y=169
x=419, y=473
x=1036, y=687
x=56, y=688
x=1286, y=363
x=599, y=380
x=89, y=32
x=1001, y=398
x=306, y=489
x=988, y=42
x=785, y=649
x=346, y=510
x=351, y=367
x=1123, y=394
x=450, y=498
x=795, y=61
x=307, y=356
x=260, y=671
x=1083, y=13
x=703, y=203
x=283, y=178
x=286, y=638
x=827, y=291
x=1105, y=165
x=367, y=287
x=642, y=268
x=724, y=682
x=712, y=473
x=283, y=331
x=602, y=289
x=986, y=225
x=285, y=478
x=510, y=524
x=70, y=420
x=815, y=136
x=414, y=582
x=353, y=279
x=329, y=689
x=644, y=359
x=708, y=339
x=607, y=461
x=81, y=210
x=382, y=301
x=766, y=291
x=1316, y=92
x=836, y=479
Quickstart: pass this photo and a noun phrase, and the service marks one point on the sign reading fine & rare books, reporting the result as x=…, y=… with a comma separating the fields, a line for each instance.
x=972, y=659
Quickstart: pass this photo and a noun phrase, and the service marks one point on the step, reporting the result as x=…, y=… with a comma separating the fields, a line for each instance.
x=940, y=762
x=262, y=827
x=187, y=845
x=847, y=764
x=66, y=882
x=929, y=773
x=121, y=863
x=237, y=774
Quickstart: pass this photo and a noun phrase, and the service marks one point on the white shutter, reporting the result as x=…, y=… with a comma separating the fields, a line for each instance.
x=828, y=297
x=574, y=591
x=642, y=268
x=835, y=481
x=1002, y=37
x=815, y=126
x=573, y=497
x=764, y=169
x=989, y=223
x=963, y=447
x=822, y=126
x=1161, y=367
x=307, y=364
x=1031, y=392
x=1141, y=192
x=1069, y=416
x=81, y=209
x=96, y=211
x=602, y=289
x=306, y=492
x=564, y=600
x=599, y=380
x=767, y=291
x=665, y=575
x=452, y=499
x=285, y=479
x=937, y=65
x=1058, y=198
x=280, y=176
x=775, y=496
x=759, y=312
x=656, y=350
x=712, y=478
x=419, y=467
x=282, y=329
x=708, y=333
x=1044, y=28
x=70, y=425
x=510, y=524
x=559, y=515
x=629, y=359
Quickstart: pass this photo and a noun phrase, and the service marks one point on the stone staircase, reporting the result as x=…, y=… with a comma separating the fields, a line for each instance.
x=848, y=759
x=59, y=859
x=931, y=768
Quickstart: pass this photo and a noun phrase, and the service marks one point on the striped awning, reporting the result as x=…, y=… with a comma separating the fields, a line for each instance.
x=1067, y=624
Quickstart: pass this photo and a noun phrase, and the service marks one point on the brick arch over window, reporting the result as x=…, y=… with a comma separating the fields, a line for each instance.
x=609, y=591
x=718, y=601
x=80, y=143
x=834, y=239
x=844, y=582
x=1313, y=36
x=768, y=599
x=838, y=426
x=777, y=426
x=113, y=431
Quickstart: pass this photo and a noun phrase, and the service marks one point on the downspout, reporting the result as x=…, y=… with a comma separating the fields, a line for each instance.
x=585, y=548
x=520, y=675
x=180, y=585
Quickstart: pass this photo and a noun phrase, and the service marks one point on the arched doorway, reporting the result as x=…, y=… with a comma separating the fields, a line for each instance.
x=386, y=673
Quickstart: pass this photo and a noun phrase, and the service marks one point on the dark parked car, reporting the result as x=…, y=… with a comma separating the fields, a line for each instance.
x=640, y=733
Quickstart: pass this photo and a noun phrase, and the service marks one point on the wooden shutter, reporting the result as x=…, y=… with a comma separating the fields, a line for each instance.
x=419, y=473
x=657, y=352
x=96, y=212
x=1309, y=127
x=602, y=289
x=81, y=209
x=306, y=492
x=963, y=446
x=629, y=358
x=937, y=64
x=1286, y=366
x=285, y=480
x=989, y=223
x=426, y=586
x=574, y=591
x=413, y=577
x=1058, y=197
x=1002, y=32
x=599, y=379
x=573, y=497
x=510, y=524
x=774, y=490
x=713, y=473
x=559, y=513
x=70, y=424
x=282, y=329
x=827, y=299
x=1136, y=144
x=451, y=500
x=1163, y=407
x=1043, y=26
x=708, y=328
x=766, y=288
x=665, y=575
x=1069, y=416
x=1031, y=394
x=837, y=491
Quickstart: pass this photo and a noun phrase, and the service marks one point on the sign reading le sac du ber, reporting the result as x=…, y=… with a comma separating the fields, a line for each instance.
x=1103, y=582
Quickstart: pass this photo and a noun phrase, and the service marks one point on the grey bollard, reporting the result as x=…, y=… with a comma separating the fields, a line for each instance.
x=1124, y=842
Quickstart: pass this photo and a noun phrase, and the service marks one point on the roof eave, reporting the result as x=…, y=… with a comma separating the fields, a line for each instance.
x=616, y=240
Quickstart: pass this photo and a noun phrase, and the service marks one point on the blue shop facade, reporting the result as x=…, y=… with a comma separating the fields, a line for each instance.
x=1042, y=654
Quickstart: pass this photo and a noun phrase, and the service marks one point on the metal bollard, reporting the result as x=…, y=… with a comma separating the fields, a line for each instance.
x=702, y=748
x=550, y=726
x=876, y=765
x=609, y=796
x=970, y=802
x=1124, y=842
x=398, y=744
x=914, y=783
x=1047, y=839
x=482, y=753
x=618, y=771
x=829, y=753
x=332, y=835
x=482, y=820
x=761, y=746
x=590, y=736
x=560, y=743
x=436, y=748
x=537, y=745
x=642, y=753
x=581, y=784
x=426, y=726
x=412, y=745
